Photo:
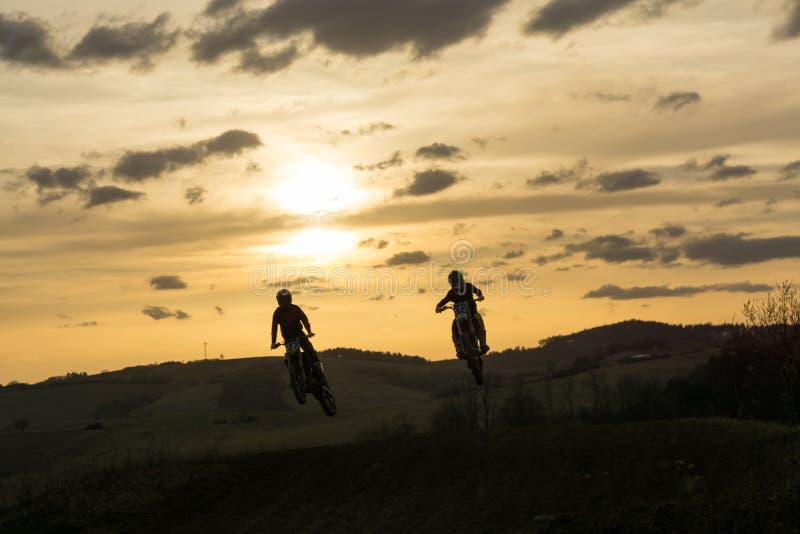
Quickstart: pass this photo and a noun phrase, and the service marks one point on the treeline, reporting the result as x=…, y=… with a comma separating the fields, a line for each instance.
x=371, y=355
x=636, y=334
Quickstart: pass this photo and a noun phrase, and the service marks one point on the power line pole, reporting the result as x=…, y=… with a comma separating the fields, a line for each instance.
x=205, y=349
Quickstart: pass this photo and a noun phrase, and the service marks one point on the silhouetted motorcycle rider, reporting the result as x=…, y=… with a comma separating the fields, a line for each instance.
x=462, y=291
x=292, y=319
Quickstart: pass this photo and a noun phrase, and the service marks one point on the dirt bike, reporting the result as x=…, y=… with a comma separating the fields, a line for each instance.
x=467, y=346
x=302, y=379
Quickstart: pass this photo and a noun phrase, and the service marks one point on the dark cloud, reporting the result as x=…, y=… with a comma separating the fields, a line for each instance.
x=373, y=243
x=602, y=96
x=511, y=254
x=729, y=250
x=728, y=202
x=408, y=258
x=440, y=151
x=194, y=195
x=25, y=41
x=214, y=7
x=460, y=229
x=166, y=282
x=558, y=17
x=790, y=28
x=181, y=315
x=137, y=41
x=356, y=28
x=669, y=231
x=109, y=194
x=561, y=176
x=715, y=162
x=157, y=313
x=615, y=292
x=219, y=310
x=545, y=259
x=613, y=249
x=55, y=184
x=369, y=129
x=790, y=171
x=726, y=172
x=555, y=234
x=395, y=161
x=613, y=182
x=256, y=62
x=141, y=165
x=677, y=100
x=428, y=182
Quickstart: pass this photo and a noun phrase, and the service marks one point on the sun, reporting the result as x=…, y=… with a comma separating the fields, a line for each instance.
x=316, y=187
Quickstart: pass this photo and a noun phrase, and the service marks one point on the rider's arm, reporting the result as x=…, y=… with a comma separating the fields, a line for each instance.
x=447, y=298
x=304, y=320
x=274, y=327
x=477, y=292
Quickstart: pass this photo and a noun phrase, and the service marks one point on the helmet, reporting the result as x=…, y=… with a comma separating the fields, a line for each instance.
x=455, y=278
x=284, y=297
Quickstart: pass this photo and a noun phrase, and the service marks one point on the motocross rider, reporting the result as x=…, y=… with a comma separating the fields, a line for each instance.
x=292, y=319
x=462, y=291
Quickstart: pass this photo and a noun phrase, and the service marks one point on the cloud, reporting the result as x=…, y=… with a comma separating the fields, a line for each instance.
x=730, y=250
x=613, y=249
x=355, y=28
x=157, y=313
x=408, y=258
x=219, y=310
x=373, y=243
x=215, y=7
x=395, y=161
x=728, y=202
x=137, y=166
x=25, y=41
x=460, y=228
x=555, y=234
x=54, y=184
x=716, y=161
x=440, y=151
x=194, y=195
x=615, y=292
x=558, y=17
x=727, y=172
x=561, y=176
x=256, y=62
x=109, y=194
x=790, y=28
x=613, y=182
x=677, y=100
x=601, y=96
x=511, y=254
x=669, y=231
x=368, y=129
x=428, y=182
x=166, y=282
x=790, y=171
x=138, y=41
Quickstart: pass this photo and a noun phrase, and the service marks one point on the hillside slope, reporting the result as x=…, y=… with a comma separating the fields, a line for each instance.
x=678, y=476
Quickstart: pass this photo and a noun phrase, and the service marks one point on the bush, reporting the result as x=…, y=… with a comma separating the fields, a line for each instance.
x=21, y=424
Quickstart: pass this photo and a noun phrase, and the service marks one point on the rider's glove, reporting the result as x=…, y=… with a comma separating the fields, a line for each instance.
x=275, y=345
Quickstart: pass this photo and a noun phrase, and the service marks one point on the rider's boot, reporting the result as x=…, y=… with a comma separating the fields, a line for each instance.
x=484, y=346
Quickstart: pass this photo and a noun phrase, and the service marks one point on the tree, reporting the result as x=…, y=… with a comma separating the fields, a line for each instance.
x=21, y=424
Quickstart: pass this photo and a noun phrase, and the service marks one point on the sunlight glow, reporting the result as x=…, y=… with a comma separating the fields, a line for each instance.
x=319, y=243
x=315, y=187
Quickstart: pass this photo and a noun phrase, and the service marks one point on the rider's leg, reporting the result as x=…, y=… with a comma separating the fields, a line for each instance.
x=313, y=359
x=456, y=343
x=480, y=329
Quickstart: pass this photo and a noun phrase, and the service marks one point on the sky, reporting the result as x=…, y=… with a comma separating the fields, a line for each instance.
x=166, y=167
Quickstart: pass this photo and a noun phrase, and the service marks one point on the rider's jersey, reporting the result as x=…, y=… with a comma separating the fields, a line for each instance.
x=291, y=319
x=455, y=296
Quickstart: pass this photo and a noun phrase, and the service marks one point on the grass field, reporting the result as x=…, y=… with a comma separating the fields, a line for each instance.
x=669, y=476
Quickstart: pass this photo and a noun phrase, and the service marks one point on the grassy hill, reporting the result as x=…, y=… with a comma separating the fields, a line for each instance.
x=678, y=476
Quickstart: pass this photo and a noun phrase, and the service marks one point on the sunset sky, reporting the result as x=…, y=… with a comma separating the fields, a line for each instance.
x=588, y=161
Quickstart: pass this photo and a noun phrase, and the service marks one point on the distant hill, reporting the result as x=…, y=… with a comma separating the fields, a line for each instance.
x=371, y=355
